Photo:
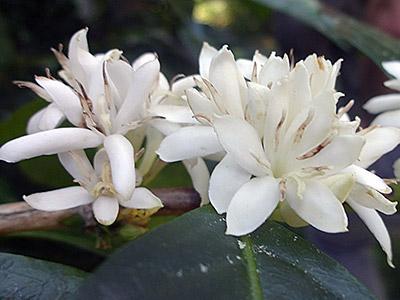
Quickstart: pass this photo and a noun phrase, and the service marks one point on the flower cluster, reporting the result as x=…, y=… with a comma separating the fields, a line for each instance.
x=283, y=148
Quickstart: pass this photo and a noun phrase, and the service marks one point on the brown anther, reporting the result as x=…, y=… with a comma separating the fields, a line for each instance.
x=320, y=61
x=391, y=180
x=303, y=126
x=314, y=151
x=363, y=131
x=254, y=72
x=345, y=109
x=48, y=74
x=291, y=58
x=139, y=154
x=278, y=128
x=282, y=190
x=202, y=117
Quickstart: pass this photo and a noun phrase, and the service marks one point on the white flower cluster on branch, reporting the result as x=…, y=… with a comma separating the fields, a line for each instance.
x=284, y=149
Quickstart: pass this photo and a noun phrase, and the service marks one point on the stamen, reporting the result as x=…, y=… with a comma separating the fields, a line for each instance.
x=391, y=180
x=38, y=90
x=107, y=88
x=254, y=73
x=345, y=109
x=48, y=74
x=278, y=128
x=320, y=61
x=314, y=151
x=139, y=154
x=291, y=58
x=203, y=117
x=320, y=170
x=87, y=110
x=282, y=189
x=123, y=58
x=303, y=126
x=363, y=131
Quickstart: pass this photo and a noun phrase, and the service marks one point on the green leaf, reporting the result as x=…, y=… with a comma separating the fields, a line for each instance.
x=192, y=258
x=15, y=125
x=44, y=170
x=23, y=277
x=340, y=28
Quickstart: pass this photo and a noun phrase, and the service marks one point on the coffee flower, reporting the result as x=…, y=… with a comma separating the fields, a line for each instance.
x=99, y=185
x=306, y=162
x=387, y=106
x=106, y=98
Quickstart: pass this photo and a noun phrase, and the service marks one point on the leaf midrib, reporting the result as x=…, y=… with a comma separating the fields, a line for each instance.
x=251, y=266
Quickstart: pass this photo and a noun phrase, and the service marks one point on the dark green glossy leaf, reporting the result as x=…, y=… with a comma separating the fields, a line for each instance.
x=23, y=277
x=340, y=28
x=192, y=258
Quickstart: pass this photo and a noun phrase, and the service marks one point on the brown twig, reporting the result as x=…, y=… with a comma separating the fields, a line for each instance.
x=19, y=216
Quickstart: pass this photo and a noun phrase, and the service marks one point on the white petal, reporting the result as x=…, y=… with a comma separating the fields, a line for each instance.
x=340, y=153
x=189, y=142
x=34, y=121
x=388, y=118
x=173, y=113
x=78, y=166
x=229, y=82
x=241, y=140
x=382, y=103
x=318, y=206
x=179, y=87
x=78, y=52
x=142, y=198
x=200, y=105
x=119, y=75
x=392, y=67
x=65, y=98
x=78, y=40
x=225, y=181
x=396, y=168
x=379, y=141
x=246, y=67
x=51, y=118
x=375, y=224
x=206, y=55
x=367, y=178
x=59, y=199
x=49, y=142
x=372, y=199
x=143, y=80
x=341, y=184
x=165, y=127
x=153, y=141
x=198, y=171
x=100, y=159
x=105, y=210
x=121, y=156
x=289, y=215
x=143, y=59
x=274, y=69
x=252, y=205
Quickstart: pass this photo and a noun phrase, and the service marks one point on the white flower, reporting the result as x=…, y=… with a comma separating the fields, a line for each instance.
x=306, y=161
x=387, y=106
x=106, y=96
x=109, y=184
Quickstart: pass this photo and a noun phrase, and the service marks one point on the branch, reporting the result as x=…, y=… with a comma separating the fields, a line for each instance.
x=19, y=216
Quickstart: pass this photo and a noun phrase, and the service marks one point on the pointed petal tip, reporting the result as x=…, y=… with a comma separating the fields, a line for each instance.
x=390, y=263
